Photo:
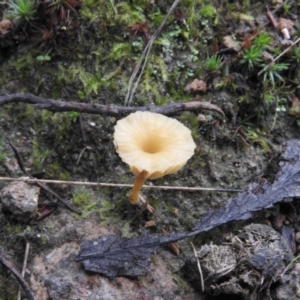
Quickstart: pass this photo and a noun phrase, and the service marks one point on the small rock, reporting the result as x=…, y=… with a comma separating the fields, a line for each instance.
x=20, y=199
x=201, y=118
x=229, y=42
x=113, y=120
x=297, y=237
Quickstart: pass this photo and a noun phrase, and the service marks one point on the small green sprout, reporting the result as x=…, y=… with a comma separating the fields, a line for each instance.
x=286, y=9
x=43, y=58
x=271, y=71
x=207, y=11
x=258, y=137
x=296, y=55
x=251, y=57
x=213, y=63
x=262, y=41
x=22, y=10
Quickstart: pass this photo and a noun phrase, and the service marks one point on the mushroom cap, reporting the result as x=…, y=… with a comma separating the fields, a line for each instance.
x=153, y=143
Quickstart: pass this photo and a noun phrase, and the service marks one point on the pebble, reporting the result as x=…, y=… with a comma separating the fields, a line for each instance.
x=297, y=237
x=20, y=199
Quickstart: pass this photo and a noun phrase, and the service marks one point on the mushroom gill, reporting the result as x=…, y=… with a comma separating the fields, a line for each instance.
x=153, y=145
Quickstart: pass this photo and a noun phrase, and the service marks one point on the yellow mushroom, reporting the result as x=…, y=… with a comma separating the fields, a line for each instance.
x=153, y=145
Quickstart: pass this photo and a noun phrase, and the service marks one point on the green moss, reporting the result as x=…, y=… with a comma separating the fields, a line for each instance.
x=3, y=153
x=126, y=230
x=191, y=121
x=43, y=239
x=22, y=65
x=213, y=63
x=20, y=112
x=8, y=287
x=22, y=10
x=258, y=137
x=171, y=209
x=207, y=11
x=38, y=154
x=55, y=171
x=105, y=210
x=82, y=196
x=130, y=14
x=14, y=229
x=98, y=11
x=153, y=202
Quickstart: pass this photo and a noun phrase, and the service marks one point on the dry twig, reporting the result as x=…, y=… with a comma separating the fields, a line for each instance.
x=24, y=266
x=283, y=52
x=199, y=269
x=9, y=265
x=109, y=110
x=119, y=185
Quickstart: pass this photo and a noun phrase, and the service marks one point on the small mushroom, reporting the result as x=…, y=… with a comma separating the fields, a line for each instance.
x=152, y=145
x=286, y=27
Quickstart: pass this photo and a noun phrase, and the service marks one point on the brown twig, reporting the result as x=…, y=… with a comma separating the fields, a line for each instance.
x=271, y=18
x=283, y=52
x=109, y=110
x=45, y=187
x=24, y=266
x=9, y=265
x=145, y=204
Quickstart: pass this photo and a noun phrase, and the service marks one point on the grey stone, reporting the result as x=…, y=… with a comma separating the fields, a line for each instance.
x=20, y=199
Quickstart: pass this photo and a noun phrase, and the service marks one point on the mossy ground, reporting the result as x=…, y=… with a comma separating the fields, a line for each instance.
x=95, y=65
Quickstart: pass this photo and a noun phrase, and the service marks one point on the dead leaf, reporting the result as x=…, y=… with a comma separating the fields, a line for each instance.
x=114, y=256
x=174, y=248
x=5, y=26
x=295, y=101
x=150, y=223
x=229, y=42
x=196, y=86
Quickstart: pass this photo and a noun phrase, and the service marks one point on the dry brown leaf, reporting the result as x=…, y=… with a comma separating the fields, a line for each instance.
x=5, y=26
x=150, y=223
x=196, y=86
x=229, y=42
x=174, y=248
x=295, y=101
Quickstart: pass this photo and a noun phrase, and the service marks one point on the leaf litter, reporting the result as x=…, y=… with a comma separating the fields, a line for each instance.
x=115, y=256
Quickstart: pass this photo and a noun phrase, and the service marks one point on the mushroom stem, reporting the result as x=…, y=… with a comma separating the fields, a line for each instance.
x=138, y=183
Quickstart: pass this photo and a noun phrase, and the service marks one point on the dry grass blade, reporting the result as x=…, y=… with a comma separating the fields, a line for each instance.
x=144, y=58
x=199, y=268
x=118, y=185
x=24, y=266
